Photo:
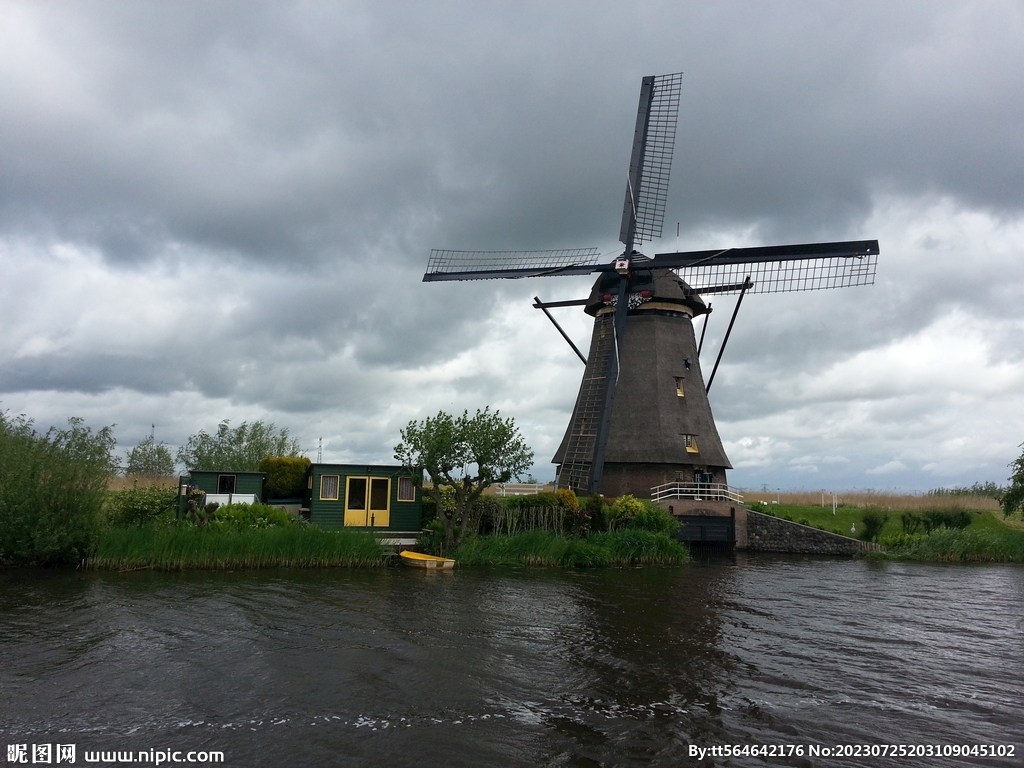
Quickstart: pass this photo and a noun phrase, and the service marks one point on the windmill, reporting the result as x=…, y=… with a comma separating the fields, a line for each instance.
x=642, y=416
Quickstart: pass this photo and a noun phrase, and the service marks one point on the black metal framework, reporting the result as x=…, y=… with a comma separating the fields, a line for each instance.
x=654, y=140
x=484, y=265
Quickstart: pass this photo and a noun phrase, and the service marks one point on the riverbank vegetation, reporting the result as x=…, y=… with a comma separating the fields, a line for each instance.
x=52, y=489
x=189, y=547
x=626, y=547
x=556, y=529
x=942, y=533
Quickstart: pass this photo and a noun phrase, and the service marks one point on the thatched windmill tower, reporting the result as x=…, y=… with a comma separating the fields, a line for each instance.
x=642, y=417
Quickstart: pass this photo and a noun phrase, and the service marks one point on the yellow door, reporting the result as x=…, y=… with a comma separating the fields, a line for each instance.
x=368, y=502
x=355, y=501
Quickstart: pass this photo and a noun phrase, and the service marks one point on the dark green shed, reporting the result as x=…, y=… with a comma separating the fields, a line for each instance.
x=383, y=497
x=227, y=482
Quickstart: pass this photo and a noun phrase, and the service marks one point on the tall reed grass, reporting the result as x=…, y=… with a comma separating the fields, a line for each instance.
x=540, y=547
x=882, y=499
x=975, y=545
x=122, y=482
x=181, y=548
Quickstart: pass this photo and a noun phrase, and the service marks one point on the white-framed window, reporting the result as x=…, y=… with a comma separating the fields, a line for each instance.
x=690, y=441
x=679, y=386
x=329, y=487
x=406, y=489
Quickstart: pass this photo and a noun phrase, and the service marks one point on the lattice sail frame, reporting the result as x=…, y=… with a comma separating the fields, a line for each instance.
x=657, y=160
x=483, y=265
x=785, y=275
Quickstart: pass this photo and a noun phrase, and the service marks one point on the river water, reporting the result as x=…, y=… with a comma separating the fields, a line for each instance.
x=518, y=667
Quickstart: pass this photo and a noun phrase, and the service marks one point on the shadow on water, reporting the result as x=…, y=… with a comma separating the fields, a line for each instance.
x=513, y=666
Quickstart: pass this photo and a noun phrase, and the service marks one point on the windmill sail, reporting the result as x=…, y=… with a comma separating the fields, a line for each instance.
x=777, y=268
x=654, y=139
x=487, y=265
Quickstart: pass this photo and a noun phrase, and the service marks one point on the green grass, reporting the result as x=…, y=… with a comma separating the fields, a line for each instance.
x=989, y=538
x=985, y=541
x=186, y=548
x=822, y=517
x=618, y=548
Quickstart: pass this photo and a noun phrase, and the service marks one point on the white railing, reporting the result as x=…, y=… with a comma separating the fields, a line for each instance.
x=522, y=489
x=695, y=491
x=231, y=498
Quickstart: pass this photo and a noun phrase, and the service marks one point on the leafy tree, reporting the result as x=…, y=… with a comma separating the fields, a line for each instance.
x=466, y=454
x=52, y=488
x=1013, y=498
x=139, y=506
x=240, y=449
x=286, y=475
x=148, y=458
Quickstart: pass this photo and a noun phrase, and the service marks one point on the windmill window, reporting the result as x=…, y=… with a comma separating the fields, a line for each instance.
x=679, y=386
x=329, y=487
x=406, y=489
x=690, y=441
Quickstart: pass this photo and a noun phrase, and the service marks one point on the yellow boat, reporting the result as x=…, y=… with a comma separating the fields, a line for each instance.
x=419, y=560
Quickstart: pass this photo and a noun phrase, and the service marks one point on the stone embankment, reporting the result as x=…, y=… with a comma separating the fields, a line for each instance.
x=765, y=533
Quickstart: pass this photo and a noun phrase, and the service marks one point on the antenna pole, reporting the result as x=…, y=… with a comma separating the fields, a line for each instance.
x=539, y=305
x=746, y=284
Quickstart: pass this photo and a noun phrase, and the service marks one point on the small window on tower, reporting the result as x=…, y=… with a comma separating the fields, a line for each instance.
x=679, y=386
x=690, y=441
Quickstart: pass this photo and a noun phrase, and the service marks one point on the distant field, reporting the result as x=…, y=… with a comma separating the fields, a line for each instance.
x=885, y=500
x=120, y=482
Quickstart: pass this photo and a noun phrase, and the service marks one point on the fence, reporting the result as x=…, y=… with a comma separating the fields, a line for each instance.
x=696, y=491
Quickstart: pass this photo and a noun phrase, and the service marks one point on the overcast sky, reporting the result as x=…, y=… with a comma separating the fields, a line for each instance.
x=224, y=210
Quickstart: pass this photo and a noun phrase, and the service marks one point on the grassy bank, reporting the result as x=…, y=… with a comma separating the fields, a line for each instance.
x=185, y=548
x=990, y=537
x=617, y=548
x=983, y=544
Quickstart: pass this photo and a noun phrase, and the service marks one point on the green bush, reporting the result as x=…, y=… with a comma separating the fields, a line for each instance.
x=623, y=510
x=286, y=476
x=655, y=519
x=546, y=499
x=244, y=516
x=874, y=521
x=630, y=513
x=139, y=506
x=52, y=488
x=933, y=519
x=597, y=511
x=911, y=523
x=567, y=498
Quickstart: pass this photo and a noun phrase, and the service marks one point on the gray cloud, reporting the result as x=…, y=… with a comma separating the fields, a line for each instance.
x=250, y=191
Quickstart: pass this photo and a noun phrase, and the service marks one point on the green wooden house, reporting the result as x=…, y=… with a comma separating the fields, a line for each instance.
x=381, y=497
x=227, y=482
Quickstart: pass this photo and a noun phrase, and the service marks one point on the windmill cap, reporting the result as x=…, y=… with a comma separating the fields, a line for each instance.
x=663, y=286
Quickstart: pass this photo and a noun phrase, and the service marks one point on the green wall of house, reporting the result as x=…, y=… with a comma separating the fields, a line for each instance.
x=330, y=512
x=245, y=482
